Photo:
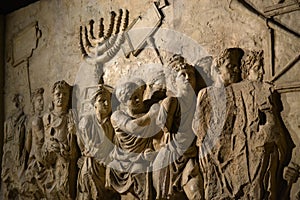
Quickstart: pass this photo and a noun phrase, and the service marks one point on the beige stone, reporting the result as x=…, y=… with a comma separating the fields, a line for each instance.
x=194, y=29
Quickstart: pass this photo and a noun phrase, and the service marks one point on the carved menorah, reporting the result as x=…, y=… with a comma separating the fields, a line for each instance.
x=99, y=50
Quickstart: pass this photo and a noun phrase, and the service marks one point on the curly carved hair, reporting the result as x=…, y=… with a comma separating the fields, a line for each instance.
x=61, y=85
x=251, y=58
x=234, y=55
x=37, y=92
x=177, y=63
x=101, y=91
x=125, y=90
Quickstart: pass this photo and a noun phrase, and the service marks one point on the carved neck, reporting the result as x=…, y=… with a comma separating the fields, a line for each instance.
x=59, y=110
x=18, y=114
x=101, y=117
x=220, y=83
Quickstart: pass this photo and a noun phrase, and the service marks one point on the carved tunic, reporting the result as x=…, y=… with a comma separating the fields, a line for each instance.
x=96, y=144
x=13, y=164
x=213, y=122
x=243, y=146
x=35, y=172
x=267, y=144
x=175, y=118
x=128, y=170
x=59, y=153
x=36, y=135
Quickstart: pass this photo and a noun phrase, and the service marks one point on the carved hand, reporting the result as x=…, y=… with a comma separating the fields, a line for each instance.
x=291, y=173
x=149, y=154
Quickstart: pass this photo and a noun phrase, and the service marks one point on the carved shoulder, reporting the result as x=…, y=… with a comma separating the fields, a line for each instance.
x=47, y=118
x=85, y=121
x=116, y=117
x=202, y=94
x=170, y=103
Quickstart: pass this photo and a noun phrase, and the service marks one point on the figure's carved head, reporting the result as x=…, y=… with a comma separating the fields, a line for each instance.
x=37, y=100
x=18, y=101
x=130, y=95
x=156, y=87
x=61, y=91
x=252, y=68
x=101, y=101
x=228, y=65
x=182, y=74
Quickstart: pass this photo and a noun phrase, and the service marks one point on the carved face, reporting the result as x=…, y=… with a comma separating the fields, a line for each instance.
x=39, y=103
x=186, y=79
x=21, y=103
x=135, y=103
x=256, y=72
x=156, y=89
x=61, y=98
x=230, y=73
x=102, y=104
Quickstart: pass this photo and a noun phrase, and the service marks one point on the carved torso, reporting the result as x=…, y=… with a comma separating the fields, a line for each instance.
x=56, y=127
x=37, y=132
x=96, y=138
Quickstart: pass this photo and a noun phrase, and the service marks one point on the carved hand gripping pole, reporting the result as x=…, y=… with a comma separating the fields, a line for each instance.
x=100, y=50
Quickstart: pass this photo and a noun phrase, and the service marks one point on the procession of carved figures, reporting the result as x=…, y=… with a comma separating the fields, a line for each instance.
x=187, y=141
x=184, y=135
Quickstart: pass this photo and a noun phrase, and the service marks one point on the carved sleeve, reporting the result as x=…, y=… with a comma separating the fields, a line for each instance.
x=199, y=121
x=166, y=113
x=82, y=133
x=46, y=122
x=124, y=122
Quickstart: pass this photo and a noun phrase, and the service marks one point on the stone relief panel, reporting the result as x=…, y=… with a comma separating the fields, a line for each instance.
x=164, y=103
x=24, y=44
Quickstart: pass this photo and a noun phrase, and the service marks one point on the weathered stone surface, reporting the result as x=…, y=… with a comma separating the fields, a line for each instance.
x=197, y=30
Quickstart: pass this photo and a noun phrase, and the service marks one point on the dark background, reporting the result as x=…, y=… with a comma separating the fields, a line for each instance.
x=7, y=6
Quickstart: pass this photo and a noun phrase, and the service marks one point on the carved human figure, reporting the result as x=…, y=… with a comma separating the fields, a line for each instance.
x=263, y=145
x=34, y=143
x=60, y=146
x=95, y=139
x=176, y=169
x=213, y=124
x=155, y=92
x=14, y=154
x=129, y=170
